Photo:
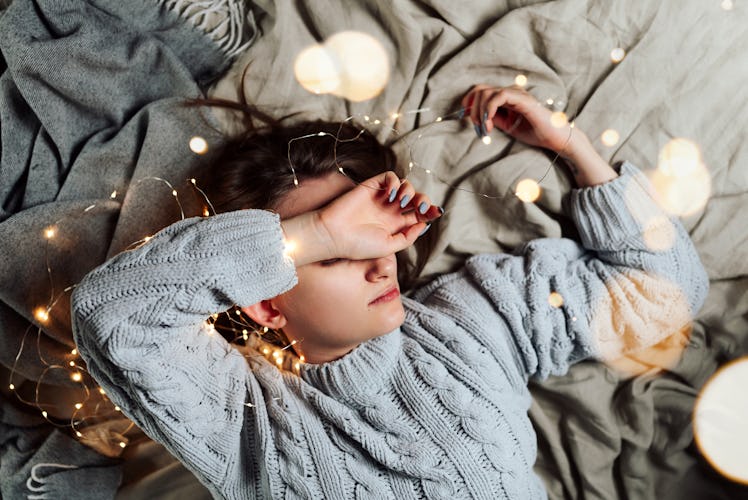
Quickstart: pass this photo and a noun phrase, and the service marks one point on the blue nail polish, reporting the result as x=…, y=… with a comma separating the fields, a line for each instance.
x=441, y=210
x=483, y=129
x=477, y=131
x=428, y=226
x=393, y=193
x=485, y=116
x=461, y=114
x=423, y=207
x=404, y=201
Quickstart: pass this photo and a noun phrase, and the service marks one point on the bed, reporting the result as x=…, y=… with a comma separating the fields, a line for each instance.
x=83, y=177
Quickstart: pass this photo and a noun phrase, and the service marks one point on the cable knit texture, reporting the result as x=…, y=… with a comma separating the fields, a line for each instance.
x=435, y=409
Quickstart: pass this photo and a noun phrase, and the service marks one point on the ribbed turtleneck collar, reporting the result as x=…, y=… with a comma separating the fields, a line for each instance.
x=353, y=378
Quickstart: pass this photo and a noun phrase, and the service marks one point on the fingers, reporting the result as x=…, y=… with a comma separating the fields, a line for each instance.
x=500, y=107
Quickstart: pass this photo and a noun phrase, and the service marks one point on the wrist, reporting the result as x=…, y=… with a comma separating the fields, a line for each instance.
x=305, y=239
x=585, y=164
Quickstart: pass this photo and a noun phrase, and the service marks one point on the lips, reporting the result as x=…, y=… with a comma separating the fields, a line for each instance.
x=390, y=294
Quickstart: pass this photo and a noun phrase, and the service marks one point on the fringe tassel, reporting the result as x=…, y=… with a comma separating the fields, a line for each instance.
x=40, y=485
x=231, y=27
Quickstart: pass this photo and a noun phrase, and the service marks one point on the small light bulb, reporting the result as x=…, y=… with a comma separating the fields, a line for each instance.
x=278, y=361
x=76, y=377
x=559, y=119
x=49, y=233
x=549, y=101
x=265, y=350
x=395, y=116
x=377, y=122
x=113, y=195
x=74, y=352
x=527, y=190
x=147, y=239
x=289, y=247
x=122, y=444
x=12, y=387
x=555, y=300
x=72, y=363
x=78, y=406
x=438, y=119
x=117, y=408
x=302, y=358
x=102, y=391
x=617, y=54
x=520, y=80
x=44, y=414
x=610, y=137
x=198, y=145
x=486, y=140
x=174, y=192
x=193, y=181
x=366, y=118
x=41, y=314
x=206, y=212
x=78, y=433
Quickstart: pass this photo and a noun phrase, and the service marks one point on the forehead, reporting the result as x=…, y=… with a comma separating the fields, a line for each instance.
x=312, y=194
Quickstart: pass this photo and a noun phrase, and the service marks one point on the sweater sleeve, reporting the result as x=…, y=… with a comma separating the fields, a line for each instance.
x=635, y=279
x=139, y=323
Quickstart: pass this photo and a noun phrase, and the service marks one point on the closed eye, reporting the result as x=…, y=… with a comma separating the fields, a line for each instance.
x=331, y=262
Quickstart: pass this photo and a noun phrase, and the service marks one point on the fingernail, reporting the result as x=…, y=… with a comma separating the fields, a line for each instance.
x=393, y=193
x=483, y=129
x=441, y=210
x=485, y=116
x=404, y=200
x=477, y=131
x=461, y=114
x=423, y=207
x=428, y=226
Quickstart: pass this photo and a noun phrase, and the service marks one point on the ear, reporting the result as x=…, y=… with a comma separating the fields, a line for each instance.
x=266, y=314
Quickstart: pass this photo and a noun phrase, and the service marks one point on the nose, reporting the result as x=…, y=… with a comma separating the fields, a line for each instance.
x=381, y=268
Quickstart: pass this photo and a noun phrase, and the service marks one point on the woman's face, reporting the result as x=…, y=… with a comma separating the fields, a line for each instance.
x=337, y=304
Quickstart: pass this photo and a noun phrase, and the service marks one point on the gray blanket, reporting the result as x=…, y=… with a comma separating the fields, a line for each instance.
x=81, y=118
x=70, y=138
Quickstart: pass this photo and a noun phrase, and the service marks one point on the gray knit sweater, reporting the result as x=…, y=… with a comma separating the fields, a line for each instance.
x=435, y=409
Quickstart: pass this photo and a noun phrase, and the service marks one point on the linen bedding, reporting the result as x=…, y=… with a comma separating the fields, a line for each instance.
x=94, y=138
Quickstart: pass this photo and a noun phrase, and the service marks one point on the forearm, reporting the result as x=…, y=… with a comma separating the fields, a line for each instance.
x=585, y=164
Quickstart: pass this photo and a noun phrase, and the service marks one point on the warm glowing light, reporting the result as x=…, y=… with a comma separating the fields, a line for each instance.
x=727, y=4
x=78, y=406
x=12, y=387
x=610, y=137
x=438, y=119
x=549, y=101
x=289, y=247
x=78, y=433
x=681, y=180
x=117, y=408
x=528, y=190
x=174, y=193
x=72, y=363
x=74, y=352
x=719, y=420
x=555, y=300
x=520, y=80
x=317, y=70
x=101, y=391
x=659, y=234
x=265, y=350
x=302, y=358
x=41, y=314
x=198, y=145
x=559, y=119
x=206, y=212
x=278, y=361
x=147, y=239
x=122, y=444
x=617, y=54
x=486, y=140
x=210, y=328
x=276, y=354
x=349, y=64
x=49, y=233
x=44, y=414
x=113, y=195
x=76, y=377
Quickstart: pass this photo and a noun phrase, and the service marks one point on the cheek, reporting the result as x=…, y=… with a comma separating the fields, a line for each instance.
x=325, y=289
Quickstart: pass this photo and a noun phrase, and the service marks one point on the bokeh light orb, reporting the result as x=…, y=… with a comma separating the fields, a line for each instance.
x=198, y=145
x=365, y=66
x=681, y=180
x=527, y=190
x=720, y=421
x=617, y=54
x=317, y=70
x=349, y=64
x=610, y=137
x=559, y=119
x=520, y=80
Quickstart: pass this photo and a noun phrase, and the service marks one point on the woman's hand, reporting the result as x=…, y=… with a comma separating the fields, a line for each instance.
x=518, y=114
x=376, y=218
